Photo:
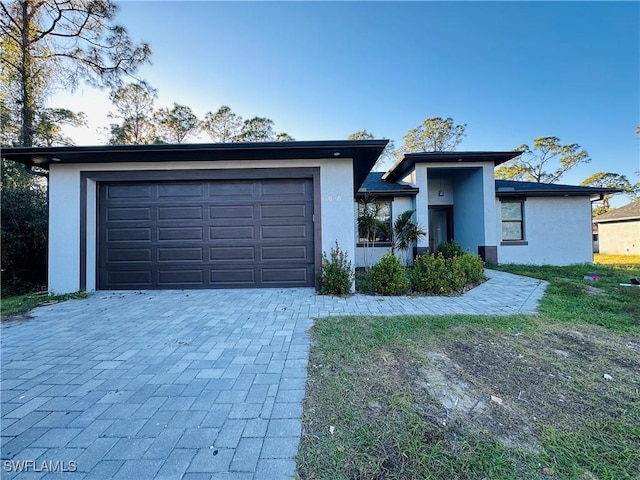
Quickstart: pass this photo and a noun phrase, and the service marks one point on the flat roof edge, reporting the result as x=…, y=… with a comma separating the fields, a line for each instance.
x=77, y=154
x=551, y=193
x=407, y=162
x=389, y=193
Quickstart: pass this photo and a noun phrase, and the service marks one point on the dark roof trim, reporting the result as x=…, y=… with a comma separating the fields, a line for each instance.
x=511, y=188
x=550, y=193
x=408, y=192
x=364, y=153
x=405, y=165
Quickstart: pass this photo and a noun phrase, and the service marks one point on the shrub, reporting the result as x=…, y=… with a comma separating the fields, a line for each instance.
x=431, y=274
x=449, y=249
x=473, y=267
x=388, y=276
x=336, y=273
x=455, y=275
x=437, y=275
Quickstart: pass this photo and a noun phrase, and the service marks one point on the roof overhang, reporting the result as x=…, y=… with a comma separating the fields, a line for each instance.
x=594, y=193
x=405, y=165
x=406, y=192
x=364, y=153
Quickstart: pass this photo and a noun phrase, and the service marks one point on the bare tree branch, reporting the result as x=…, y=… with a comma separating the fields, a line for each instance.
x=52, y=43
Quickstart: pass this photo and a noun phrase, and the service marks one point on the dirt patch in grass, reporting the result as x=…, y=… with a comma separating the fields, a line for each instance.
x=457, y=399
x=511, y=385
x=472, y=402
x=594, y=290
x=524, y=382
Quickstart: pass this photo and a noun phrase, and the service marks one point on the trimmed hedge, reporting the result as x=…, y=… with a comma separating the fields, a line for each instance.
x=434, y=274
x=388, y=276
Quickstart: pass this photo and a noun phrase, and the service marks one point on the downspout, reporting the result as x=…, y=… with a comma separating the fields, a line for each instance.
x=594, y=248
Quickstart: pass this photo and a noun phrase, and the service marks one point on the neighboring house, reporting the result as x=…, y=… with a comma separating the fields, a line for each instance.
x=619, y=230
x=261, y=214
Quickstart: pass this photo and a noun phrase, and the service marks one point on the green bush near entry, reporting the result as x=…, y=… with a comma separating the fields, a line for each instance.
x=388, y=276
x=437, y=275
x=449, y=249
x=472, y=266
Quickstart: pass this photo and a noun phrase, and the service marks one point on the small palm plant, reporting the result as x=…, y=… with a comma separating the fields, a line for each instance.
x=404, y=232
x=369, y=224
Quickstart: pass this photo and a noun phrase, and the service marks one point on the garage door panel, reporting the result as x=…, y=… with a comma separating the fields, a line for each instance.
x=283, y=188
x=232, y=233
x=232, y=188
x=296, y=252
x=180, y=213
x=114, y=192
x=180, y=278
x=183, y=234
x=128, y=234
x=285, y=275
x=177, y=190
x=124, y=214
x=129, y=255
x=179, y=254
x=283, y=211
x=294, y=232
x=231, y=211
x=131, y=278
x=230, y=254
x=206, y=234
x=229, y=278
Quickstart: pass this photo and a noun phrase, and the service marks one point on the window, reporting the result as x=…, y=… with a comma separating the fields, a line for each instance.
x=374, y=221
x=512, y=221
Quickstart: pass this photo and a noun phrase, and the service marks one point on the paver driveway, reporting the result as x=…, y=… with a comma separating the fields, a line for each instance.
x=201, y=384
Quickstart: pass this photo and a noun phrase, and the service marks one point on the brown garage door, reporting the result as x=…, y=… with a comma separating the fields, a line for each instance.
x=206, y=234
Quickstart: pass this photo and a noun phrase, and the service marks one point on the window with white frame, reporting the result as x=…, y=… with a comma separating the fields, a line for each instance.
x=512, y=220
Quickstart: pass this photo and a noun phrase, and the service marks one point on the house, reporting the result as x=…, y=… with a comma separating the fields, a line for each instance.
x=619, y=230
x=456, y=197
x=261, y=214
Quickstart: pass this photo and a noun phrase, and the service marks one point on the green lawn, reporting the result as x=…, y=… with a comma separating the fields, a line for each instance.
x=552, y=396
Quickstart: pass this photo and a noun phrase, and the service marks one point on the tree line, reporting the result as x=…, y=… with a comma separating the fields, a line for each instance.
x=52, y=44
x=138, y=122
x=546, y=161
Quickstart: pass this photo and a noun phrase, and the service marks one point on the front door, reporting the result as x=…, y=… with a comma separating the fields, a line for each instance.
x=440, y=226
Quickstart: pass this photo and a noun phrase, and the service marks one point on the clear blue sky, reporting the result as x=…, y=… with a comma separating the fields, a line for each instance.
x=511, y=71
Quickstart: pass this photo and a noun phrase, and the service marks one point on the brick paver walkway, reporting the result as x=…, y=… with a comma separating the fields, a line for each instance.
x=190, y=385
